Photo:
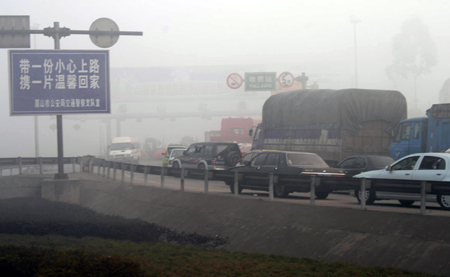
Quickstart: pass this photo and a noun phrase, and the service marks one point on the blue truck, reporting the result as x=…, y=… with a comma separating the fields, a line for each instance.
x=423, y=134
x=334, y=124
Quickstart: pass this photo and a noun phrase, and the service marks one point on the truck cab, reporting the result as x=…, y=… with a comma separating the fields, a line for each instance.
x=409, y=137
x=423, y=134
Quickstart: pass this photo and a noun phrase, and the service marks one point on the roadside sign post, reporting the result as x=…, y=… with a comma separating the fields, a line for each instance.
x=103, y=33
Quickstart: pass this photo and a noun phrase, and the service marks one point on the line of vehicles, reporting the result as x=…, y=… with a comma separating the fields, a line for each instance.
x=330, y=133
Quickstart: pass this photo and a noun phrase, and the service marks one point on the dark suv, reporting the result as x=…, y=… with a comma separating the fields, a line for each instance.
x=209, y=155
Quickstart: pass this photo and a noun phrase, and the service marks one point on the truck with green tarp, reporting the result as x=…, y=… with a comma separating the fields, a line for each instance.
x=334, y=124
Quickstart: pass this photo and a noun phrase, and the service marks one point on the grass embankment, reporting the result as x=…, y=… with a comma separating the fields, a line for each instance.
x=79, y=236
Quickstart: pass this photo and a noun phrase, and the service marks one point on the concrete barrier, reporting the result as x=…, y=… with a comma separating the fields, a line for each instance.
x=409, y=241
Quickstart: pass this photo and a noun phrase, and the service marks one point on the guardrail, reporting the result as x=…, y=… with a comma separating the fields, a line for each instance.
x=309, y=184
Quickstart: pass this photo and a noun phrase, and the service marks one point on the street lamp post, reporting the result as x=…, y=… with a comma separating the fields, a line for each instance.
x=355, y=21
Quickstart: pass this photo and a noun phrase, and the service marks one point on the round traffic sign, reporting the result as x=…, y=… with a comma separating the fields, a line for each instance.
x=286, y=79
x=234, y=81
x=104, y=24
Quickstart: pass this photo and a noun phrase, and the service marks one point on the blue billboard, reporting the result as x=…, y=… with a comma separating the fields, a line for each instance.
x=49, y=82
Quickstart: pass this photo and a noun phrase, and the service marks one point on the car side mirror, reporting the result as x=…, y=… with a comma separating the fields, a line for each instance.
x=250, y=132
x=185, y=152
x=388, y=168
x=246, y=162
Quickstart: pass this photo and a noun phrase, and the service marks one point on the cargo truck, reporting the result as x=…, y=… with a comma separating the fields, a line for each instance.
x=334, y=124
x=423, y=134
x=231, y=130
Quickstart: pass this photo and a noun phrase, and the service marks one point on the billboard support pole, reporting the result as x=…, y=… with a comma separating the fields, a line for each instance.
x=59, y=121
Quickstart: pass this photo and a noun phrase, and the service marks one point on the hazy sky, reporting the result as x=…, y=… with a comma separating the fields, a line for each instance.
x=309, y=34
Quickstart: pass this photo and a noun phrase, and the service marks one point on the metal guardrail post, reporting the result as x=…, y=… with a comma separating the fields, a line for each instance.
x=312, y=191
x=114, y=170
x=182, y=180
x=131, y=173
x=91, y=166
x=236, y=183
x=108, y=170
x=40, y=165
x=206, y=181
x=123, y=173
x=20, y=166
x=423, y=194
x=271, y=186
x=362, y=198
x=103, y=168
x=163, y=172
x=145, y=175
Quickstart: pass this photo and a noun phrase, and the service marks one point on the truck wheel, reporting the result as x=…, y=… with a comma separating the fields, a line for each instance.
x=406, y=203
x=444, y=201
x=322, y=194
x=280, y=191
x=233, y=158
x=370, y=196
x=231, y=184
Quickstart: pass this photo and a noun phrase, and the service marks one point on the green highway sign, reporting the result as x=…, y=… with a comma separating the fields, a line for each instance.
x=258, y=81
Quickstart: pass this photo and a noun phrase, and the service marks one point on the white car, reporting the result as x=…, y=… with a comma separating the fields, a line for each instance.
x=420, y=167
x=174, y=153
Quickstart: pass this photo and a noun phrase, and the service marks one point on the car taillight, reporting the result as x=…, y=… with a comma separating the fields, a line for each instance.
x=213, y=161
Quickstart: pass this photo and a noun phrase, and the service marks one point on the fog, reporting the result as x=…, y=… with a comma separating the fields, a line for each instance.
x=188, y=48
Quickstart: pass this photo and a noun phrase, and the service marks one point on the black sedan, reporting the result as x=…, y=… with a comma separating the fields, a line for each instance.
x=283, y=163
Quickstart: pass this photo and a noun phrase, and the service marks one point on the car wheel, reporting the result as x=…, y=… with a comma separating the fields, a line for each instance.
x=406, y=203
x=231, y=184
x=370, y=196
x=280, y=191
x=233, y=158
x=444, y=201
x=322, y=194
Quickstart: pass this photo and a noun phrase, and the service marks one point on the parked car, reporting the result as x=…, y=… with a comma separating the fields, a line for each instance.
x=284, y=162
x=209, y=155
x=420, y=167
x=167, y=152
x=360, y=163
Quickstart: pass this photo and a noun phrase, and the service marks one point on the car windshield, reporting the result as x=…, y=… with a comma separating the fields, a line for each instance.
x=177, y=153
x=381, y=162
x=302, y=159
x=121, y=146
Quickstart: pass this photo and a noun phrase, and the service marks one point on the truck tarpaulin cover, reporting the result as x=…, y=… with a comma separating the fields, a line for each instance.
x=347, y=108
